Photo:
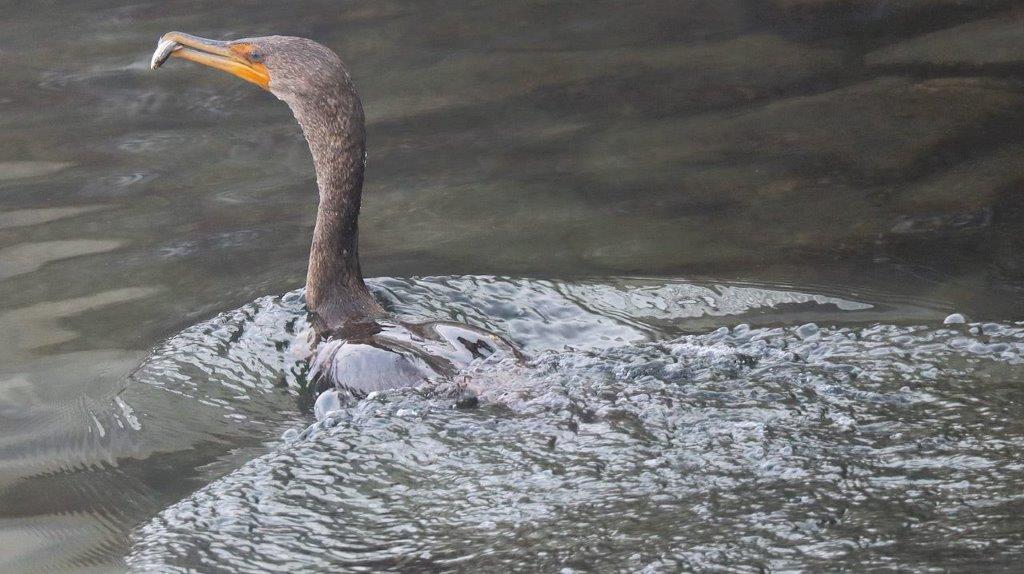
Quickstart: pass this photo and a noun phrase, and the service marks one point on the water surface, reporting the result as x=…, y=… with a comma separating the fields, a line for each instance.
x=773, y=163
x=742, y=449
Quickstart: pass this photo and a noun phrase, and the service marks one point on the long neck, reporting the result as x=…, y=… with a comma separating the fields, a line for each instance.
x=333, y=126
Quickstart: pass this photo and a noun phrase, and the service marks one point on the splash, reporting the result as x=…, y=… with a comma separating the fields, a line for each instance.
x=625, y=443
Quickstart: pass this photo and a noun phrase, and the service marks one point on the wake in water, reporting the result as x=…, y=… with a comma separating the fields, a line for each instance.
x=743, y=449
x=636, y=436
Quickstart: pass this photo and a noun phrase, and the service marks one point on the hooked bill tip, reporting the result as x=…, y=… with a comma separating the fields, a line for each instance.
x=164, y=48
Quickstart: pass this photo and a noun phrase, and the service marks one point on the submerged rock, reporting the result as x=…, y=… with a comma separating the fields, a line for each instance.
x=998, y=40
x=968, y=186
x=672, y=76
x=876, y=6
x=875, y=128
x=829, y=172
x=824, y=18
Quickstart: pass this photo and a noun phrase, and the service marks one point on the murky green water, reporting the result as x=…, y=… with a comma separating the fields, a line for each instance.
x=857, y=165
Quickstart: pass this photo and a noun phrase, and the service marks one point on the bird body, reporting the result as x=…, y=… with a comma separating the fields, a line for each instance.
x=388, y=354
x=357, y=346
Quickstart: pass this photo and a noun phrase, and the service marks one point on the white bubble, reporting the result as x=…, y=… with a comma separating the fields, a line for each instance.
x=328, y=401
x=954, y=319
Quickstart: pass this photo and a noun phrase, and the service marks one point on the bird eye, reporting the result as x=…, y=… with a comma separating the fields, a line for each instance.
x=256, y=56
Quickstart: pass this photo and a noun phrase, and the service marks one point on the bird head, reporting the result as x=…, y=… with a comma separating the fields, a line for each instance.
x=289, y=67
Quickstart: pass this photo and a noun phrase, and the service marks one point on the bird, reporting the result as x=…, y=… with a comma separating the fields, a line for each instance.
x=355, y=345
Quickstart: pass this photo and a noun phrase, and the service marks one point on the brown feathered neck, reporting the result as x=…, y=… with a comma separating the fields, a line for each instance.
x=332, y=122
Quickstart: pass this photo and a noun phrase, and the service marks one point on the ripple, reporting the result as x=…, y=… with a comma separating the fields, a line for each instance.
x=25, y=169
x=152, y=142
x=24, y=217
x=38, y=325
x=29, y=257
x=635, y=455
x=117, y=184
x=810, y=446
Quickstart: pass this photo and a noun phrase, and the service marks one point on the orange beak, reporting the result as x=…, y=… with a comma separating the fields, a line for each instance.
x=231, y=57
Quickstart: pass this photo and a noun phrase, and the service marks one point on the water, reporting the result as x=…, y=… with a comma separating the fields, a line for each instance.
x=773, y=163
x=619, y=445
x=879, y=447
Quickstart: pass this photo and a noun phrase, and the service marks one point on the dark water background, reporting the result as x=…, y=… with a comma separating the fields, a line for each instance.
x=867, y=151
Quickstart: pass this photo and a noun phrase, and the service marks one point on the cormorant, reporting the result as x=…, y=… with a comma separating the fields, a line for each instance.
x=356, y=345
